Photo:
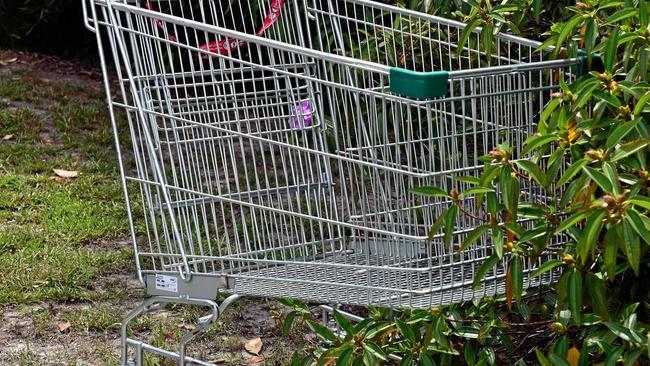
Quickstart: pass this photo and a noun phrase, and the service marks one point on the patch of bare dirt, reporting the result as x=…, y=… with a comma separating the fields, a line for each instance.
x=50, y=67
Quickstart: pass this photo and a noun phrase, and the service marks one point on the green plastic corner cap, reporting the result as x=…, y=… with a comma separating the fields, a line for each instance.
x=584, y=67
x=418, y=85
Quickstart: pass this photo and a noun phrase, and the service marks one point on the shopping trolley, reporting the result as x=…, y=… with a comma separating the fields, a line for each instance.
x=276, y=144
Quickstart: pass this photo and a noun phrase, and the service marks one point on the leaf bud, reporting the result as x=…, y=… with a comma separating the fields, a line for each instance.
x=594, y=154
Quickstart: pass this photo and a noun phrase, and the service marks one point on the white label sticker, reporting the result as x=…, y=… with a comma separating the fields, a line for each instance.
x=166, y=283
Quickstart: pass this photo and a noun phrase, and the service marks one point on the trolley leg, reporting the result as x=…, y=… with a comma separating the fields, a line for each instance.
x=156, y=302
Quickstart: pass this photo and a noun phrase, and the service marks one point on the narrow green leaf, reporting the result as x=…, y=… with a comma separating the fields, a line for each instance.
x=486, y=38
x=368, y=360
x=321, y=331
x=469, y=180
x=575, y=294
x=633, y=217
x=550, y=108
x=632, y=356
x=620, y=331
x=515, y=228
x=590, y=234
x=557, y=360
x=405, y=330
x=498, y=240
x=562, y=289
x=567, y=30
x=543, y=361
x=644, y=13
x=599, y=178
x=517, y=276
x=440, y=222
x=537, y=9
x=641, y=103
x=546, y=266
x=473, y=236
x=628, y=149
x=343, y=322
x=555, y=162
x=571, y=190
x=613, y=355
x=375, y=350
x=477, y=190
x=607, y=97
x=467, y=31
x=534, y=171
x=492, y=202
x=572, y=171
x=644, y=60
x=450, y=224
x=484, y=269
x=345, y=359
x=425, y=360
x=509, y=190
x=572, y=221
x=632, y=247
x=288, y=322
x=640, y=201
x=429, y=191
x=609, y=59
x=470, y=355
x=620, y=15
x=561, y=346
x=590, y=36
x=585, y=94
x=610, y=252
x=596, y=290
x=534, y=233
x=376, y=328
x=620, y=132
x=612, y=176
x=407, y=360
x=534, y=142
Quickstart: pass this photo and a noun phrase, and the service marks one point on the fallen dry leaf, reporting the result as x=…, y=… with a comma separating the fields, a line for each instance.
x=8, y=61
x=7, y=137
x=66, y=173
x=254, y=345
x=573, y=356
x=186, y=326
x=254, y=360
x=63, y=326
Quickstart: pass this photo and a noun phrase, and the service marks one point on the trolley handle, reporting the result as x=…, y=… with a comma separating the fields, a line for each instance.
x=435, y=84
x=84, y=8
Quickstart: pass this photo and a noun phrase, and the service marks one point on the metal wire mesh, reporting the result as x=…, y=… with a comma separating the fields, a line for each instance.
x=285, y=163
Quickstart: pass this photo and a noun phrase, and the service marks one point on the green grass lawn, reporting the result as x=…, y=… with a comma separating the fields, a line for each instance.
x=65, y=248
x=52, y=230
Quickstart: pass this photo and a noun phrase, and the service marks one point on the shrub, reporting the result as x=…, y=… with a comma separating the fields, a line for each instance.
x=52, y=26
x=597, y=128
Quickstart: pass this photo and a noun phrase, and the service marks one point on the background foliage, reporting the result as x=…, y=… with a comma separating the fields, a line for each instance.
x=50, y=26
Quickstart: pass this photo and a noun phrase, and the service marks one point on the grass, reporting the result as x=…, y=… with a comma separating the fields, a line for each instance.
x=57, y=236
x=50, y=230
x=65, y=253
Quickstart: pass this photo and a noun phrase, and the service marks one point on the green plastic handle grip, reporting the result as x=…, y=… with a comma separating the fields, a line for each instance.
x=419, y=85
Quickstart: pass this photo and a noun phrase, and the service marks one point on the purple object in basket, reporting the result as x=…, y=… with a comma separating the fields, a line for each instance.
x=301, y=114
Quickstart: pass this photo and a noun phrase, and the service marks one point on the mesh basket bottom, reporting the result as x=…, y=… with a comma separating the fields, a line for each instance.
x=381, y=286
